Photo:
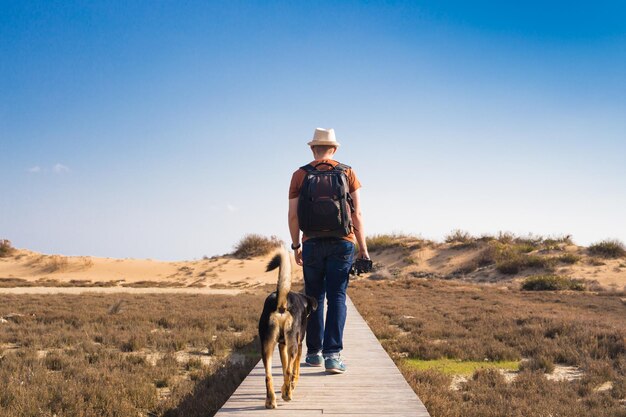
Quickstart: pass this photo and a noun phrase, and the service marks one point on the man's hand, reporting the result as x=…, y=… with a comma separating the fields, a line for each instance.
x=297, y=253
x=363, y=254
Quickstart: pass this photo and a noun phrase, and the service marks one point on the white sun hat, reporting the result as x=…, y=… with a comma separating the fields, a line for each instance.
x=324, y=137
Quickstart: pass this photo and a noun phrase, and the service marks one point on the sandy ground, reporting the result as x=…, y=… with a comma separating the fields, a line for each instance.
x=36, y=273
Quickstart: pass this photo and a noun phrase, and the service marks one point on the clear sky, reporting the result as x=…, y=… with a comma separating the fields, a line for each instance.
x=169, y=129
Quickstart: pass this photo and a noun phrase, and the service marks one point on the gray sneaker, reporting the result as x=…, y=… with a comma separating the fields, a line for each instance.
x=334, y=365
x=315, y=359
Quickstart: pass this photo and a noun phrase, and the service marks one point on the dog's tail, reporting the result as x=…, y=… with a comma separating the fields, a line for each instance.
x=282, y=260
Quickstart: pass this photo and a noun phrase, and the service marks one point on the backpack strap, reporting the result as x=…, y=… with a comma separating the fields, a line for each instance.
x=338, y=167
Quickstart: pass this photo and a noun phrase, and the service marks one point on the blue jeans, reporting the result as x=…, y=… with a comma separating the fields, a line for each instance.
x=326, y=264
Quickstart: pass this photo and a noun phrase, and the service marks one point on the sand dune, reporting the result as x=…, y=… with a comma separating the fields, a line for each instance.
x=27, y=268
x=448, y=260
x=34, y=272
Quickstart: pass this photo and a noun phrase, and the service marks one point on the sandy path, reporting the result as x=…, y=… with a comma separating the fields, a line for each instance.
x=117, y=290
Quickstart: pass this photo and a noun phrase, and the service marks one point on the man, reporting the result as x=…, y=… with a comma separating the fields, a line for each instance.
x=326, y=255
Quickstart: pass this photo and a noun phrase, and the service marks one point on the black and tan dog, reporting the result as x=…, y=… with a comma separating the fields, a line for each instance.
x=283, y=321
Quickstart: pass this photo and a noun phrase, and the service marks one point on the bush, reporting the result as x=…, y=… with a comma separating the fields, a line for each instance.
x=569, y=258
x=55, y=263
x=609, y=248
x=538, y=364
x=255, y=245
x=459, y=236
x=387, y=241
x=6, y=249
x=551, y=283
x=511, y=259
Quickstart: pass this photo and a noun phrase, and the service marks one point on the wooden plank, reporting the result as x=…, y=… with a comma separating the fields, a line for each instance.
x=371, y=387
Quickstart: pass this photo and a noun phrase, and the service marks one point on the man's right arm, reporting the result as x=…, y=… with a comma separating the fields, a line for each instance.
x=294, y=228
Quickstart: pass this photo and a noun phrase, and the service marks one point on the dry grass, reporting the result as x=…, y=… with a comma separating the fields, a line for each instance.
x=255, y=245
x=394, y=240
x=104, y=355
x=154, y=284
x=460, y=239
x=54, y=263
x=609, y=248
x=51, y=282
x=435, y=320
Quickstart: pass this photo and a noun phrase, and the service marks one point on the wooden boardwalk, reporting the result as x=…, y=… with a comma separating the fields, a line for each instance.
x=371, y=387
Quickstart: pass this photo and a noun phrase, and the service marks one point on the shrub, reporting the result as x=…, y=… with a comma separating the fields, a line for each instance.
x=505, y=237
x=387, y=241
x=255, y=245
x=595, y=262
x=569, y=258
x=551, y=283
x=484, y=323
x=511, y=259
x=459, y=236
x=55, y=263
x=608, y=248
x=6, y=249
x=540, y=363
x=133, y=344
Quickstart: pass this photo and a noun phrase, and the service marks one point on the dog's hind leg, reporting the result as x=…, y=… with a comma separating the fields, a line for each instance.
x=267, y=352
x=296, y=372
x=287, y=388
x=284, y=359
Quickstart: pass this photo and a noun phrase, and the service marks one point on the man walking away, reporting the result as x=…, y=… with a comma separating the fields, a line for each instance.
x=324, y=203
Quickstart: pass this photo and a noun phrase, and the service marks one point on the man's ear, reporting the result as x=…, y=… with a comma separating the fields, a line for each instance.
x=311, y=304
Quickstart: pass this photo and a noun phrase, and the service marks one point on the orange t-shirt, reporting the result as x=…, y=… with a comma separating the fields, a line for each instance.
x=298, y=178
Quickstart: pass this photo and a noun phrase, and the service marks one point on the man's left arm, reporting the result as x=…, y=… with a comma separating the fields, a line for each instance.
x=357, y=221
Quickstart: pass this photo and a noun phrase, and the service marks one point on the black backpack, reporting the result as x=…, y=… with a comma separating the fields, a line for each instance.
x=325, y=206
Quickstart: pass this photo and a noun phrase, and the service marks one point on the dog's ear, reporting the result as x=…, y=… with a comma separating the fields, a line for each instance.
x=311, y=304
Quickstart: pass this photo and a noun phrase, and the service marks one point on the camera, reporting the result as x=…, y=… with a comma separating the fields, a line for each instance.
x=361, y=265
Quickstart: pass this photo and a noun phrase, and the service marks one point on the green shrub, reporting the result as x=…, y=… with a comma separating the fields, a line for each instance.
x=512, y=259
x=569, y=258
x=255, y=245
x=6, y=249
x=609, y=248
x=551, y=283
x=510, y=266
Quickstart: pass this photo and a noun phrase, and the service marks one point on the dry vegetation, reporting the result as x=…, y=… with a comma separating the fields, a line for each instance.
x=255, y=245
x=503, y=257
x=610, y=248
x=6, y=249
x=422, y=322
x=551, y=282
x=51, y=282
x=122, y=355
x=394, y=241
x=511, y=254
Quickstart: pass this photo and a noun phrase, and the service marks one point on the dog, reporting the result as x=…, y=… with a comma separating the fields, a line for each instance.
x=283, y=321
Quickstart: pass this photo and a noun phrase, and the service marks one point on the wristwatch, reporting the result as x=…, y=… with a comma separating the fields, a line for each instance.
x=294, y=247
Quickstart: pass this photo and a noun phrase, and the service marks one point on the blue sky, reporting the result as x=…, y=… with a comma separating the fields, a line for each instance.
x=168, y=130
